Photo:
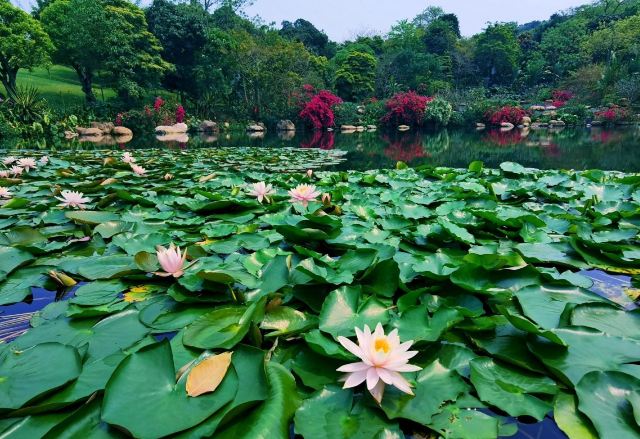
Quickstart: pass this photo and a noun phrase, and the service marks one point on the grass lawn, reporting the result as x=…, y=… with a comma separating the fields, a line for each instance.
x=59, y=85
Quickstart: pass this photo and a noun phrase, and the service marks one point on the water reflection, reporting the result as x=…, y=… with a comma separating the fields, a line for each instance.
x=580, y=149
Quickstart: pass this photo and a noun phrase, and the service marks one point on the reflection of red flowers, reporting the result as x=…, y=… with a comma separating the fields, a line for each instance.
x=118, y=121
x=406, y=109
x=318, y=112
x=552, y=150
x=512, y=115
x=404, y=148
x=503, y=138
x=320, y=139
x=603, y=136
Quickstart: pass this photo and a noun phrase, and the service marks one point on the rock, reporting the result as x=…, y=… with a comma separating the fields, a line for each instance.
x=173, y=137
x=123, y=138
x=360, y=129
x=507, y=126
x=70, y=135
x=256, y=128
x=256, y=134
x=557, y=123
x=208, y=126
x=105, y=127
x=286, y=125
x=550, y=113
x=329, y=130
x=208, y=138
x=360, y=110
x=404, y=128
x=550, y=108
x=347, y=128
x=179, y=128
x=286, y=135
x=537, y=108
x=480, y=126
x=526, y=121
x=597, y=123
x=372, y=127
x=89, y=132
x=538, y=125
x=122, y=131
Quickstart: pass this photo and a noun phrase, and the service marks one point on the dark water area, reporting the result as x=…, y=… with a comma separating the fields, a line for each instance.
x=570, y=148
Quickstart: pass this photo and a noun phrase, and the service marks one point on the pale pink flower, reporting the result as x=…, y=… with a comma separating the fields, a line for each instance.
x=44, y=160
x=310, y=173
x=27, y=164
x=138, y=170
x=304, y=193
x=261, y=190
x=383, y=359
x=16, y=170
x=171, y=260
x=168, y=176
x=73, y=199
x=326, y=199
x=4, y=174
x=5, y=192
x=128, y=158
x=9, y=160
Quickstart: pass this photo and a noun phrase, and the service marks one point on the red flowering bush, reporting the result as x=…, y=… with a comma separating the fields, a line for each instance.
x=509, y=114
x=561, y=97
x=612, y=115
x=180, y=114
x=406, y=109
x=158, y=104
x=318, y=111
x=150, y=117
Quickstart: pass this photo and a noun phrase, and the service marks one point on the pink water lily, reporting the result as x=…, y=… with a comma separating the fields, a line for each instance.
x=138, y=170
x=128, y=158
x=310, y=173
x=77, y=200
x=304, y=193
x=5, y=192
x=261, y=190
x=171, y=260
x=4, y=174
x=27, y=164
x=382, y=357
x=326, y=199
x=44, y=160
x=9, y=160
x=16, y=171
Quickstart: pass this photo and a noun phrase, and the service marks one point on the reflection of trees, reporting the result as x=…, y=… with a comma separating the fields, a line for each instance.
x=437, y=143
x=404, y=147
x=319, y=139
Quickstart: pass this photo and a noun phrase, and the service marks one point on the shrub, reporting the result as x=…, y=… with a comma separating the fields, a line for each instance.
x=510, y=114
x=406, y=109
x=180, y=114
x=374, y=110
x=346, y=113
x=438, y=113
x=612, y=115
x=318, y=112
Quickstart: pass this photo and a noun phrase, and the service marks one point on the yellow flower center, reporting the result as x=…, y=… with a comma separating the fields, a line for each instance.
x=381, y=344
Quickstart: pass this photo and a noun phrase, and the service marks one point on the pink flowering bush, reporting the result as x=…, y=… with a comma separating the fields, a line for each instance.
x=561, y=97
x=508, y=114
x=612, y=115
x=406, y=109
x=318, y=111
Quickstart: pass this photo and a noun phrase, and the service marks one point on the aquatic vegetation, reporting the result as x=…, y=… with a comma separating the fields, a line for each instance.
x=482, y=269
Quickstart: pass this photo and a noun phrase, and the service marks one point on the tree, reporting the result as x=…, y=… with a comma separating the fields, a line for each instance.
x=182, y=30
x=441, y=36
x=497, y=53
x=235, y=5
x=109, y=36
x=23, y=44
x=313, y=39
x=355, y=78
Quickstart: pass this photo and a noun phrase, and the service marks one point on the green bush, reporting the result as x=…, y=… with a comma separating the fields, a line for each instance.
x=438, y=113
x=346, y=113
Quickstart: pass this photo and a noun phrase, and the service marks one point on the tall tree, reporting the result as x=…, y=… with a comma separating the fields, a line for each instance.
x=313, y=39
x=355, y=78
x=23, y=44
x=497, y=53
x=109, y=36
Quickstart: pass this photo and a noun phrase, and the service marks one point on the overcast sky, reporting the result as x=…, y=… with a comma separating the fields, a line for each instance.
x=343, y=19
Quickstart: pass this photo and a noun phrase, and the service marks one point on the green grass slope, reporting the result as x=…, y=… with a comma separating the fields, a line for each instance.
x=59, y=85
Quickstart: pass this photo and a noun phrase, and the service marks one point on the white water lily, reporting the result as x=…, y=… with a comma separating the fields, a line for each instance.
x=171, y=260
x=77, y=200
x=44, y=160
x=27, y=164
x=5, y=192
x=382, y=357
x=261, y=190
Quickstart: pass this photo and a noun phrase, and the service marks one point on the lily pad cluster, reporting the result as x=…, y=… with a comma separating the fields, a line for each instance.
x=481, y=268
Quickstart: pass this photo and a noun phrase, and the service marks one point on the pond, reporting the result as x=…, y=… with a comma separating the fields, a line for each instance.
x=583, y=148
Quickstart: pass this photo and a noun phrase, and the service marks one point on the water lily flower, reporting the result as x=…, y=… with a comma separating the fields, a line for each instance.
x=382, y=357
x=5, y=192
x=44, y=160
x=27, y=164
x=261, y=190
x=138, y=170
x=128, y=158
x=9, y=160
x=168, y=176
x=16, y=170
x=303, y=194
x=4, y=174
x=73, y=199
x=326, y=199
x=171, y=260
x=310, y=173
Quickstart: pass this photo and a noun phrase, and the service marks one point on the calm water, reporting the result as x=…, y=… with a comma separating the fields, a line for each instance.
x=580, y=149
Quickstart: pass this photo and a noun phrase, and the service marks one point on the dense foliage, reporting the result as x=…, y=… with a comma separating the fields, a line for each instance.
x=482, y=269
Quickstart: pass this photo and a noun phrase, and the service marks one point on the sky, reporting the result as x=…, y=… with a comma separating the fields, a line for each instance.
x=344, y=19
